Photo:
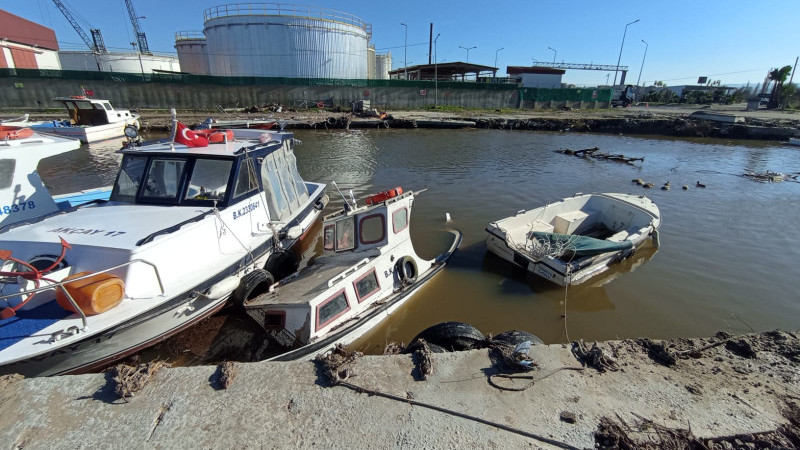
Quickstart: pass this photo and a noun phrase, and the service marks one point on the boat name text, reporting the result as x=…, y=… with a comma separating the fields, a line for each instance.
x=17, y=207
x=245, y=210
x=87, y=231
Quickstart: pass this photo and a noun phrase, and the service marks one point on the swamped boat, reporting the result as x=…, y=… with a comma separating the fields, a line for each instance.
x=90, y=120
x=569, y=241
x=184, y=224
x=367, y=271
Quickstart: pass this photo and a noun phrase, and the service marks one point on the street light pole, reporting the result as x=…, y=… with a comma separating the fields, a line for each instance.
x=405, y=52
x=435, y=73
x=620, y=49
x=643, y=57
x=467, y=49
x=554, y=54
x=495, y=55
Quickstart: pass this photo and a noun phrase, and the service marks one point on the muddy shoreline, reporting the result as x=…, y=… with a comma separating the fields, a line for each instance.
x=645, y=120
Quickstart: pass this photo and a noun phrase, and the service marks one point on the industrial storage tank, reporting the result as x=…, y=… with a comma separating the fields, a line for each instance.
x=117, y=62
x=192, y=52
x=371, y=62
x=383, y=64
x=280, y=40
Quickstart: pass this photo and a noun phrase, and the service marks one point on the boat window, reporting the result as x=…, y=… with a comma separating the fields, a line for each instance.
x=163, y=178
x=300, y=185
x=209, y=179
x=276, y=201
x=345, y=235
x=366, y=285
x=371, y=229
x=246, y=180
x=127, y=183
x=328, y=237
x=84, y=105
x=7, y=167
x=107, y=106
x=332, y=308
x=400, y=220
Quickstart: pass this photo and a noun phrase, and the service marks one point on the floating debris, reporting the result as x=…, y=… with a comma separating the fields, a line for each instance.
x=595, y=153
x=768, y=176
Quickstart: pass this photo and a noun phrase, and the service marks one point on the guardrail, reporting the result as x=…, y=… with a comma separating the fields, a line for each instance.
x=281, y=9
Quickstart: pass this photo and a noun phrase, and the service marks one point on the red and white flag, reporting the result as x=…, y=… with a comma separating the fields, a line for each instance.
x=187, y=137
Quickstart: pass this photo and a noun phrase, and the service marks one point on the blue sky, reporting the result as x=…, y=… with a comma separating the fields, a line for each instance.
x=732, y=41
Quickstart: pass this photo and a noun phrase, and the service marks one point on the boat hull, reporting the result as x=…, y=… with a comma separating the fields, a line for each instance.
x=88, y=134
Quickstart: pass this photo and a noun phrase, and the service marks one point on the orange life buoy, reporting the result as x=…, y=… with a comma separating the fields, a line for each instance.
x=12, y=133
x=384, y=195
x=215, y=136
x=77, y=96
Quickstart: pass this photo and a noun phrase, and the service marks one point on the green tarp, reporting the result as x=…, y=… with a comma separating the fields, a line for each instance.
x=579, y=245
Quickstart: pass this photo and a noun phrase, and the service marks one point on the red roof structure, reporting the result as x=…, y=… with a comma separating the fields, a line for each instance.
x=22, y=31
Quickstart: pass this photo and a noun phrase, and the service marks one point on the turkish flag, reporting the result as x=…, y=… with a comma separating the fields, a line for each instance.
x=89, y=93
x=188, y=138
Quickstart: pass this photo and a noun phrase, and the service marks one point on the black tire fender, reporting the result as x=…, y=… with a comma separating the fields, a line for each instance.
x=406, y=269
x=513, y=337
x=253, y=284
x=452, y=336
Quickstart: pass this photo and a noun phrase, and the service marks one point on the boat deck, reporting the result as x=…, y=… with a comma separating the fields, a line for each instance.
x=313, y=279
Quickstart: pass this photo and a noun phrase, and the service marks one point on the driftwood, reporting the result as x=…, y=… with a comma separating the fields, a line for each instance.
x=595, y=153
x=768, y=176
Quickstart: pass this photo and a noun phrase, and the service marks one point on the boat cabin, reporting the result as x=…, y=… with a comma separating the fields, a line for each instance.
x=85, y=111
x=220, y=175
x=367, y=257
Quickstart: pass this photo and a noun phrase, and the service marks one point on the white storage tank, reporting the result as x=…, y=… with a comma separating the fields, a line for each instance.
x=383, y=64
x=280, y=40
x=371, y=62
x=117, y=62
x=192, y=52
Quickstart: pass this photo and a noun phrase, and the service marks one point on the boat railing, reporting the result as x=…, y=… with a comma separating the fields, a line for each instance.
x=60, y=285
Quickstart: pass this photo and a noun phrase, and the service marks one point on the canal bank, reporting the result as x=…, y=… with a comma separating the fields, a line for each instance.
x=743, y=390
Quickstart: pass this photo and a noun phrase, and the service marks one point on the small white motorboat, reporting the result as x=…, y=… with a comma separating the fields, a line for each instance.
x=794, y=141
x=90, y=120
x=82, y=287
x=569, y=241
x=259, y=124
x=368, y=270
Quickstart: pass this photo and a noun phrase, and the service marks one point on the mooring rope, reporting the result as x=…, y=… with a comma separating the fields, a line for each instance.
x=362, y=390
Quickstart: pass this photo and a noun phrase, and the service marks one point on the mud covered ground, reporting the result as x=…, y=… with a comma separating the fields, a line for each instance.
x=723, y=392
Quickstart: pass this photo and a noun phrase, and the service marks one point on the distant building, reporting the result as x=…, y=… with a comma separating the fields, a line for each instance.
x=26, y=45
x=537, y=77
x=383, y=64
x=449, y=71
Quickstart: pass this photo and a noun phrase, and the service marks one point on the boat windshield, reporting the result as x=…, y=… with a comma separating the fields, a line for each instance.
x=163, y=179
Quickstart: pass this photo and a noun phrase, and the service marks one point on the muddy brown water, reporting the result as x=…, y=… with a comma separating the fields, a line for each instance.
x=729, y=257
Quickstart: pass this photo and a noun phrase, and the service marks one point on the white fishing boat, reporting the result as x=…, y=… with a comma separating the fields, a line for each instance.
x=259, y=124
x=794, y=141
x=570, y=241
x=367, y=271
x=23, y=195
x=183, y=225
x=90, y=120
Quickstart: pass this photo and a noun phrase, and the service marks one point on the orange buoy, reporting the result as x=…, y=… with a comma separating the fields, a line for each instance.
x=77, y=96
x=384, y=195
x=94, y=295
x=12, y=133
x=215, y=136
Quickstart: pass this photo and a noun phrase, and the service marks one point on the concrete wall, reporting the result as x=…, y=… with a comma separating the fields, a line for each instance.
x=19, y=92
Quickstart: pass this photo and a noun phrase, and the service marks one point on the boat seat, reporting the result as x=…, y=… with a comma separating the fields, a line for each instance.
x=568, y=222
x=619, y=236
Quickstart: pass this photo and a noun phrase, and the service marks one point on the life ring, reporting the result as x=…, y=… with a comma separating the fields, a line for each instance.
x=254, y=283
x=320, y=105
x=215, y=136
x=406, y=269
x=77, y=96
x=12, y=133
x=384, y=195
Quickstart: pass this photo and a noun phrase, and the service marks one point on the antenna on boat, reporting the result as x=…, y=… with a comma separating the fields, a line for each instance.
x=346, y=203
x=174, y=128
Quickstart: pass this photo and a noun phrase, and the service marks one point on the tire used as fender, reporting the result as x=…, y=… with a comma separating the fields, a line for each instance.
x=406, y=269
x=253, y=284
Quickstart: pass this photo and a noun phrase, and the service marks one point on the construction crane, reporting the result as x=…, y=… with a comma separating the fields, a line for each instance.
x=96, y=43
x=140, y=37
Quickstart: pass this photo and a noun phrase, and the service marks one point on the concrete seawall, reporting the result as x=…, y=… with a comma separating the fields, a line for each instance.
x=736, y=389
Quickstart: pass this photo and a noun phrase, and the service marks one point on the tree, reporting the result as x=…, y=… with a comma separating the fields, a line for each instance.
x=779, y=76
x=789, y=94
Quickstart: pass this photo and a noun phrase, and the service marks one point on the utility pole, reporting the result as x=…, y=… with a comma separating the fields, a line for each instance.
x=405, y=52
x=620, y=48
